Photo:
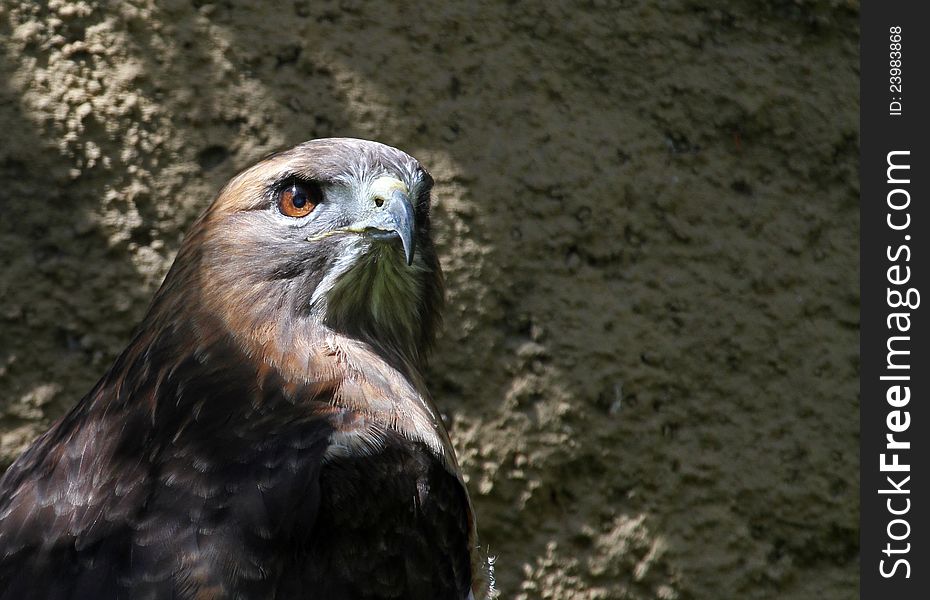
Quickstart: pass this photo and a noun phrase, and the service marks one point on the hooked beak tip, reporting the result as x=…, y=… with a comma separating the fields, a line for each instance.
x=401, y=211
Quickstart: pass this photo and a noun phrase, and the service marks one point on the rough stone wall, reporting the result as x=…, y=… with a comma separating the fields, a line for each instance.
x=646, y=212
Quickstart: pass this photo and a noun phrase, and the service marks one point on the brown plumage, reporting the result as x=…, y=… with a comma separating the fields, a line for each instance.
x=267, y=432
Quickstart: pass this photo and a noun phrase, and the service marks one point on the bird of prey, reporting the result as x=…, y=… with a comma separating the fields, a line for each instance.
x=267, y=432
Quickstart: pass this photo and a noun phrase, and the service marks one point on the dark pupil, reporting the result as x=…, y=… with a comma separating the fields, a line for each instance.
x=298, y=197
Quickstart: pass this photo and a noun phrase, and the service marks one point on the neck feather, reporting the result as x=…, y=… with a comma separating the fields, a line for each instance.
x=380, y=301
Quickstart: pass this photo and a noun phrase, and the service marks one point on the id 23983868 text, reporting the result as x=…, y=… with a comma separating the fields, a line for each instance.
x=895, y=59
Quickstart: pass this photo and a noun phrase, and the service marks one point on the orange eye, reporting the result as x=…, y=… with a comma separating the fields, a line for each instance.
x=298, y=199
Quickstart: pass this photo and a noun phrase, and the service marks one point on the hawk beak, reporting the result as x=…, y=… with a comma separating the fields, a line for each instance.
x=391, y=218
x=400, y=211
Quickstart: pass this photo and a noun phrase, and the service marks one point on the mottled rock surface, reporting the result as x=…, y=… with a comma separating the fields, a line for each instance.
x=647, y=213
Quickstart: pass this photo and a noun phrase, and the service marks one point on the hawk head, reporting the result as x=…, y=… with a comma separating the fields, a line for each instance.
x=332, y=233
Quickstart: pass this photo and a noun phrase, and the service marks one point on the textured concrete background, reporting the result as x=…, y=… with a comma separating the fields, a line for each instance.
x=646, y=211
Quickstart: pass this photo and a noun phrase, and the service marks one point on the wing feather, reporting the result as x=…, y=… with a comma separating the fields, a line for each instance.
x=135, y=495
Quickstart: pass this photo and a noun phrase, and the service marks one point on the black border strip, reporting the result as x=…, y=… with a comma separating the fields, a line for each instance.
x=895, y=228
